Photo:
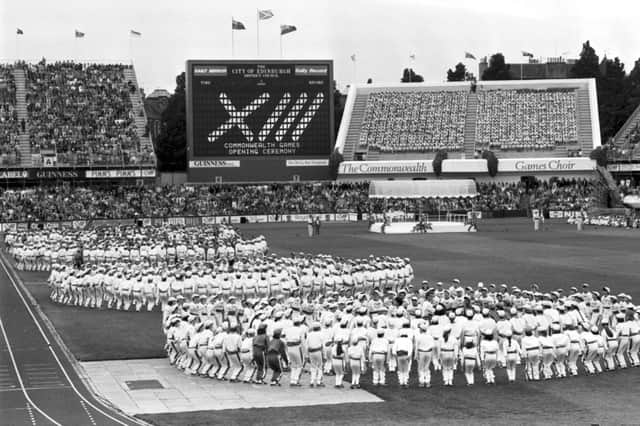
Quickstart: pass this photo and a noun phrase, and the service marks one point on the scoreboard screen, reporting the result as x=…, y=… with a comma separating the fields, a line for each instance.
x=250, y=109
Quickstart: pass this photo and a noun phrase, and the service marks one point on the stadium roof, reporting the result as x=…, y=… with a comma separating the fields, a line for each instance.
x=452, y=188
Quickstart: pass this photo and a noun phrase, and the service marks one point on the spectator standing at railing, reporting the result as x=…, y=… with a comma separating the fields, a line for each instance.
x=316, y=225
x=310, y=226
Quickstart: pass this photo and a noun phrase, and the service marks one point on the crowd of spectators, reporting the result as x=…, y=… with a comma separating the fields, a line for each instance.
x=626, y=149
x=9, y=126
x=628, y=187
x=507, y=119
x=416, y=121
x=556, y=194
x=78, y=203
x=526, y=119
x=612, y=221
x=634, y=135
x=83, y=112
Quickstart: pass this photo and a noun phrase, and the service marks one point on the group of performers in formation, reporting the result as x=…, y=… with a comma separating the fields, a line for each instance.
x=233, y=312
x=440, y=328
x=39, y=250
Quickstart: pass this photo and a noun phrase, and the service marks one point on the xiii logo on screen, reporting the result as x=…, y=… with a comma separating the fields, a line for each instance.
x=299, y=109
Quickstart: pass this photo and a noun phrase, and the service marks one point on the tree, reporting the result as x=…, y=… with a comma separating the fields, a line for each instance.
x=440, y=156
x=492, y=162
x=587, y=65
x=460, y=73
x=409, y=76
x=600, y=156
x=633, y=88
x=498, y=69
x=613, y=94
x=171, y=148
x=334, y=163
x=338, y=109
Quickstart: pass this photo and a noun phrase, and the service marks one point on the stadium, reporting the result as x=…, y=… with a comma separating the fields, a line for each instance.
x=259, y=248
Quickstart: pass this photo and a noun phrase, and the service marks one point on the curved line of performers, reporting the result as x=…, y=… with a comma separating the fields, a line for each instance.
x=543, y=334
x=39, y=250
x=128, y=286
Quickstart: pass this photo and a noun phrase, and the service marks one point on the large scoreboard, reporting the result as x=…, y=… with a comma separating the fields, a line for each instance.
x=252, y=121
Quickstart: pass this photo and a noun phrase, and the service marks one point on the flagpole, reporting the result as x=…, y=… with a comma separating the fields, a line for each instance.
x=354, y=70
x=233, y=55
x=280, y=44
x=258, y=33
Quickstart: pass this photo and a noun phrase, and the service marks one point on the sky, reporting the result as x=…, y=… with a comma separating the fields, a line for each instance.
x=381, y=33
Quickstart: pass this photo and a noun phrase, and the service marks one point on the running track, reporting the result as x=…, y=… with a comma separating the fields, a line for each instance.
x=38, y=384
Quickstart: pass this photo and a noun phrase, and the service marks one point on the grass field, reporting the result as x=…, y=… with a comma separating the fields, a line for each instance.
x=504, y=251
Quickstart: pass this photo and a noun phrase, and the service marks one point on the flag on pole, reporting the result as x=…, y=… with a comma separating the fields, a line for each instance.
x=286, y=29
x=529, y=54
x=79, y=34
x=412, y=56
x=135, y=33
x=19, y=31
x=237, y=25
x=353, y=57
x=265, y=14
x=468, y=55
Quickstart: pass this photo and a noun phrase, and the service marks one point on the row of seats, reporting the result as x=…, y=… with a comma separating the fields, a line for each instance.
x=83, y=112
x=417, y=121
x=526, y=119
x=9, y=126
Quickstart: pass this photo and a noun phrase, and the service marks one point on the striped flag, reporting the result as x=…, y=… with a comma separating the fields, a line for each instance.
x=265, y=14
x=412, y=56
x=19, y=31
x=237, y=25
x=286, y=29
x=353, y=57
x=135, y=33
x=468, y=55
x=529, y=54
x=79, y=34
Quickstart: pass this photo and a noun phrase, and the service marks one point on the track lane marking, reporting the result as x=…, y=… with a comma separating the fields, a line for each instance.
x=64, y=371
x=19, y=376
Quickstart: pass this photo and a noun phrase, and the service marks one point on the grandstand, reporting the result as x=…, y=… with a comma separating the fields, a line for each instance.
x=72, y=115
x=535, y=118
x=9, y=123
x=627, y=141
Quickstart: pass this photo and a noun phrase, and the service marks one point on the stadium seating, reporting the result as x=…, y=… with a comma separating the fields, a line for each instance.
x=526, y=119
x=417, y=121
x=84, y=113
x=9, y=126
x=514, y=119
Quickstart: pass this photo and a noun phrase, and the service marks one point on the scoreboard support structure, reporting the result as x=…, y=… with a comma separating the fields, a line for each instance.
x=259, y=121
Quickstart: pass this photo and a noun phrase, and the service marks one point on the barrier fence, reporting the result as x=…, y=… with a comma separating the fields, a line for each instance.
x=241, y=219
x=185, y=221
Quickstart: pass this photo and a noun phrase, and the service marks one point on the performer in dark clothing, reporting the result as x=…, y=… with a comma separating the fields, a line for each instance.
x=276, y=353
x=260, y=345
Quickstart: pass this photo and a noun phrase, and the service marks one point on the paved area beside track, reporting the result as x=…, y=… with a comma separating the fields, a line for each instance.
x=171, y=391
x=38, y=384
